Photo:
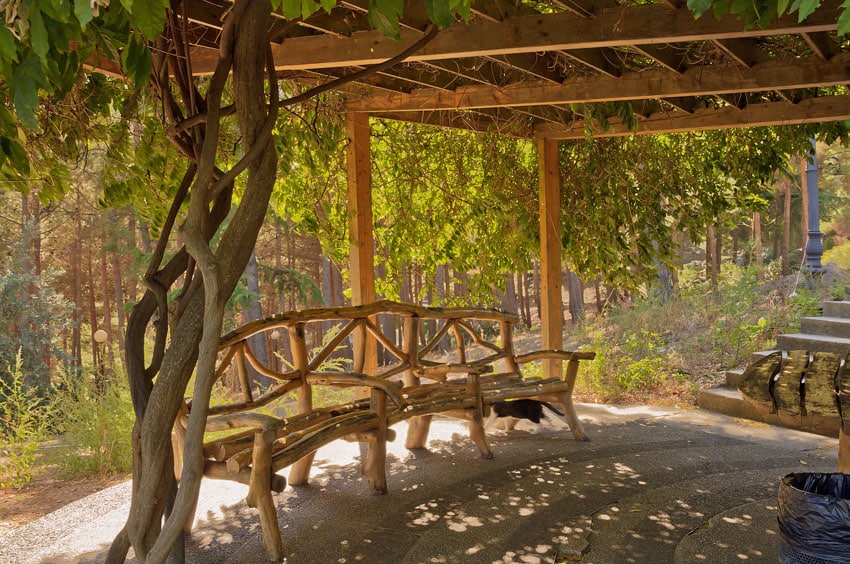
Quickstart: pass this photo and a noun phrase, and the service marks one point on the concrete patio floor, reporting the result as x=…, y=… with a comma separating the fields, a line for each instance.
x=654, y=485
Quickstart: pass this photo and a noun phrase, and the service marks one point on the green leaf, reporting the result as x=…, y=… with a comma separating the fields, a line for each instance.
x=844, y=18
x=384, y=16
x=699, y=7
x=291, y=9
x=82, y=9
x=439, y=12
x=59, y=10
x=806, y=8
x=308, y=8
x=136, y=59
x=38, y=34
x=782, y=6
x=149, y=17
x=328, y=5
x=25, y=97
x=8, y=49
x=16, y=155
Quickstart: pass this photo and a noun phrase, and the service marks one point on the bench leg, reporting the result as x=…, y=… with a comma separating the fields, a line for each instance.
x=476, y=425
x=417, y=432
x=260, y=496
x=300, y=471
x=375, y=465
x=571, y=417
x=479, y=436
x=566, y=399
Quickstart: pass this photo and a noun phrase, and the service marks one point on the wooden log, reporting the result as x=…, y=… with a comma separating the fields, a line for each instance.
x=476, y=424
x=465, y=414
x=506, y=331
x=819, y=392
x=555, y=354
x=359, y=312
x=293, y=381
x=756, y=381
x=356, y=379
x=260, y=496
x=242, y=371
x=428, y=407
x=218, y=471
x=566, y=400
x=843, y=451
x=786, y=388
x=300, y=471
x=417, y=431
x=309, y=443
x=368, y=436
x=375, y=464
x=331, y=346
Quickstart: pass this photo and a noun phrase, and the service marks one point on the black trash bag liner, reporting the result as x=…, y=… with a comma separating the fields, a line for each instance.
x=814, y=513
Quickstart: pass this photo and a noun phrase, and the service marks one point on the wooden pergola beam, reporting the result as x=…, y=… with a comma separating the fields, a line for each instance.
x=810, y=110
x=708, y=80
x=614, y=27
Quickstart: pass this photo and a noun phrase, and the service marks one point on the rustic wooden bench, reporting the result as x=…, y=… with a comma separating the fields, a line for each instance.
x=809, y=390
x=250, y=439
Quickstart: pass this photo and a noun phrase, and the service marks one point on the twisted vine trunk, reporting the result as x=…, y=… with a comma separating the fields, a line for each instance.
x=195, y=318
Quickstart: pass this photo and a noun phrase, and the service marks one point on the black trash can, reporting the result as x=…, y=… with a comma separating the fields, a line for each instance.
x=814, y=518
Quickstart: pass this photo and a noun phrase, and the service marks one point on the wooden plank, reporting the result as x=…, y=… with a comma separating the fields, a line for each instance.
x=811, y=110
x=707, y=80
x=551, y=306
x=613, y=27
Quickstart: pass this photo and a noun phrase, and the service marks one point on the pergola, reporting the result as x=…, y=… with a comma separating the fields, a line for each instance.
x=533, y=70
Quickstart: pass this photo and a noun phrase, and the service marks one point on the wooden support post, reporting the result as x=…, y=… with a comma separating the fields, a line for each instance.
x=361, y=239
x=300, y=471
x=476, y=423
x=375, y=464
x=419, y=426
x=551, y=307
x=260, y=494
x=843, y=451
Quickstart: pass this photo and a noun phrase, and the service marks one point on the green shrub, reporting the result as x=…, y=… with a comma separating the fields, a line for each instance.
x=24, y=416
x=96, y=428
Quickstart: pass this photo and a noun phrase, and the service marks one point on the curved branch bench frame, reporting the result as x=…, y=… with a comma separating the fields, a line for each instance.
x=262, y=444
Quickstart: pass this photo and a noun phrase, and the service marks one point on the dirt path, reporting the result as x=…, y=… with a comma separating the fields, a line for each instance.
x=44, y=495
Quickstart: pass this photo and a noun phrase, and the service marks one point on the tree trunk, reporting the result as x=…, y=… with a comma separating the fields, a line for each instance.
x=757, y=248
x=786, y=228
x=576, y=291
x=537, y=288
x=200, y=308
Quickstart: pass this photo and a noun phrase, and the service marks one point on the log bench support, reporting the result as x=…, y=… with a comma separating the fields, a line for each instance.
x=258, y=445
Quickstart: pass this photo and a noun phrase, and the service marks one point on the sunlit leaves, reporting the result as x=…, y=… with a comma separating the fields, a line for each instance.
x=762, y=12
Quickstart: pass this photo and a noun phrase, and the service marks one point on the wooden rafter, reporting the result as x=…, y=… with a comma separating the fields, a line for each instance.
x=810, y=110
x=697, y=81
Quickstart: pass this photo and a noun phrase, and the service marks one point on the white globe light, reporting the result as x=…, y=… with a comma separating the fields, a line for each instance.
x=100, y=336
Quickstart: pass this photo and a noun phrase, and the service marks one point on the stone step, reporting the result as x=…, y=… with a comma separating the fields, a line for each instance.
x=732, y=378
x=826, y=326
x=837, y=309
x=728, y=401
x=810, y=342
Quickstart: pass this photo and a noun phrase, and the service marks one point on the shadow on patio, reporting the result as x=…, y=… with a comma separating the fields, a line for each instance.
x=653, y=485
